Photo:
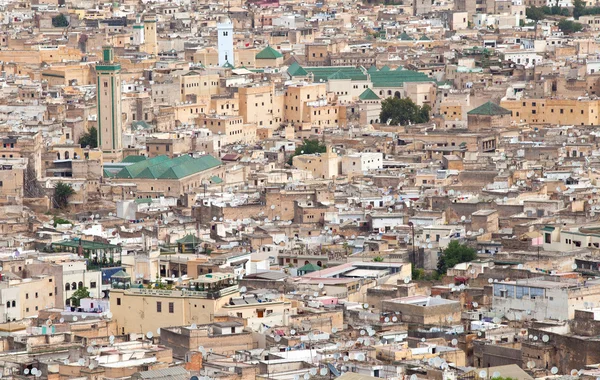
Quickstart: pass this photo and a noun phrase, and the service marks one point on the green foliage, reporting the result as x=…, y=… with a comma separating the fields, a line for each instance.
x=308, y=147
x=79, y=295
x=62, y=193
x=403, y=111
x=90, y=138
x=540, y=13
x=535, y=13
x=60, y=21
x=59, y=220
x=419, y=274
x=455, y=253
x=569, y=27
x=378, y=259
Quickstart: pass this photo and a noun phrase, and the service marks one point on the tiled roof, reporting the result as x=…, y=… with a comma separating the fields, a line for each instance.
x=405, y=37
x=162, y=167
x=396, y=78
x=368, y=94
x=489, y=109
x=296, y=70
x=268, y=53
x=322, y=74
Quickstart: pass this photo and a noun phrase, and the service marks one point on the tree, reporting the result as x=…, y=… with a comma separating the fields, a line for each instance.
x=569, y=27
x=60, y=21
x=535, y=13
x=90, y=138
x=62, y=193
x=455, y=253
x=308, y=147
x=79, y=294
x=403, y=111
x=378, y=259
x=578, y=9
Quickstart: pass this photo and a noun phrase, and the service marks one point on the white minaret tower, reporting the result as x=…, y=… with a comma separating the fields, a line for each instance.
x=225, y=41
x=138, y=31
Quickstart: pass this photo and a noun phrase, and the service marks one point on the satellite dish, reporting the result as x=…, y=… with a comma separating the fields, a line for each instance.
x=149, y=335
x=545, y=338
x=321, y=285
x=454, y=342
x=292, y=331
x=554, y=370
x=483, y=374
x=323, y=372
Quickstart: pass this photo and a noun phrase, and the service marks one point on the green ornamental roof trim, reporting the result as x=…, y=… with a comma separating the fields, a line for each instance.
x=489, y=109
x=268, y=53
x=368, y=94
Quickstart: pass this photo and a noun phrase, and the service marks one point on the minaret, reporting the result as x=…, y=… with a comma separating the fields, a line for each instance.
x=108, y=87
x=150, y=40
x=225, y=41
x=138, y=32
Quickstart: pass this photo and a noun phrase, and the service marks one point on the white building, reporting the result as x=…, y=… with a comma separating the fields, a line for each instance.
x=542, y=299
x=360, y=162
x=225, y=42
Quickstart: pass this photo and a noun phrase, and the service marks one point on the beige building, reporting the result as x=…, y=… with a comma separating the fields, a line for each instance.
x=555, y=111
x=322, y=165
x=232, y=127
x=144, y=310
x=261, y=105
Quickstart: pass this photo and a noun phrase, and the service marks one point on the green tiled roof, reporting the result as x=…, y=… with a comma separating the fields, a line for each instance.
x=108, y=174
x=424, y=38
x=397, y=78
x=143, y=200
x=405, y=37
x=310, y=267
x=228, y=65
x=134, y=159
x=489, y=109
x=140, y=124
x=322, y=74
x=162, y=167
x=268, y=53
x=372, y=69
x=296, y=70
x=216, y=180
x=385, y=68
x=368, y=94
x=188, y=239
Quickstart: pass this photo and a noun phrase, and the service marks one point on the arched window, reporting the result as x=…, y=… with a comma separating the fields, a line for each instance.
x=66, y=155
x=74, y=286
x=14, y=303
x=58, y=156
x=8, y=304
x=390, y=92
x=80, y=285
x=397, y=94
x=319, y=263
x=306, y=262
x=68, y=287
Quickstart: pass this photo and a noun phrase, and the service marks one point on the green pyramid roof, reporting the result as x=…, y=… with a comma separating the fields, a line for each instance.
x=120, y=274
x=228, y=65
x=385, y=68
x=372, y=69
x=296, y=70
x=268, y=53
x=188, y=239
x=368, y=94
x=309, y=268
x=424, y=38
x=405, y=37
x=489, y=109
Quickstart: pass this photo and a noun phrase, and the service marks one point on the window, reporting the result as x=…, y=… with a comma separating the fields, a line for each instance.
x=171, y=307
x=68, y=287
x=26, y=296
x=159, y=307
x=93, y=285
x=118, y=302
x=36, y=295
